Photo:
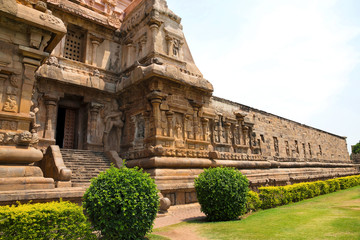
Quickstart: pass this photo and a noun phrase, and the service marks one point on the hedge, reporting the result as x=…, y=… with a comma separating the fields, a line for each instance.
x=253, y=201
x=53, y=220
x=281, y=195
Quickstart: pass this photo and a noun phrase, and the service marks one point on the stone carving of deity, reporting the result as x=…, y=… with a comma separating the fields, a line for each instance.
x=114, y=119
x=216, y=132
x=178, y=130
x=10, y=104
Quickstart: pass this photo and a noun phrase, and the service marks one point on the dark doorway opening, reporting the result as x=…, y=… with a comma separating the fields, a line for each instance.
x=66, y=128
x=60, y=125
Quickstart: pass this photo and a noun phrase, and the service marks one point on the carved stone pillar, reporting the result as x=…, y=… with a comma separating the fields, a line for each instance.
x=169, y=117
x=154, y=24
x=50, y=123
x=227, y=132
x=94, y=113
x=129, y=60
x=142, y=47
x=170, y=45
x=28, y=84
x=216, y=134
x=95, y=45
x=237, y=134
x=188, y=127
x=246, y=136
x=196, y=126
x=221, y=130
x=155, y=98
x=239, y=128
x=205, y=129
x=95, y=41
x=3, y=78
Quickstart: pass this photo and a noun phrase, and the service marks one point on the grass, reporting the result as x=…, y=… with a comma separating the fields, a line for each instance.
x=156, y=237
x=331, y=216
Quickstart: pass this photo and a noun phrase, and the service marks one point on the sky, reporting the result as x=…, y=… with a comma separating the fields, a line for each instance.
x=299, y=59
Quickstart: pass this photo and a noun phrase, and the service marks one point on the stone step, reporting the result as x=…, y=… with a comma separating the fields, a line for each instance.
x=98, y=164
x=85, y=165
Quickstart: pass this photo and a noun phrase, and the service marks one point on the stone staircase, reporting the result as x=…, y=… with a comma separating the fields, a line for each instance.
x=85, y=164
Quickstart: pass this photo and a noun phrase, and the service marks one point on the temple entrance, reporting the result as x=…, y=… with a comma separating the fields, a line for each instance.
x=66, y=128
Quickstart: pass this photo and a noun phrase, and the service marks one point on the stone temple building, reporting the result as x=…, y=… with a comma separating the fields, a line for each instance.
x=87, y=82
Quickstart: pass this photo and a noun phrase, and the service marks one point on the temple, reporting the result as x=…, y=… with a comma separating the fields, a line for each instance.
x=87, y=83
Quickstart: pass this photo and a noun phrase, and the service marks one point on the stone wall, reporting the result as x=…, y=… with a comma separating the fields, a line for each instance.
x=123, y=79
x=356, y=158
x=81, y=73
x=282, y=139
x=28, y=33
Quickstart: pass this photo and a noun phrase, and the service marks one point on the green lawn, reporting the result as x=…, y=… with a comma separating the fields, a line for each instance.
x=331, y=216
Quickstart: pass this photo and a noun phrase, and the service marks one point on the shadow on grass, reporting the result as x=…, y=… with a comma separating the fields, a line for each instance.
x=202, y=220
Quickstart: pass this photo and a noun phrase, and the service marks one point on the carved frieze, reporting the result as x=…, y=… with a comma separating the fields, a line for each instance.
x=24, y=138
x=50, y=18
x=134, y=19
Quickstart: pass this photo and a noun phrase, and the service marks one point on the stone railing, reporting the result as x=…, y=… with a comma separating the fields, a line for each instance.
x=53, y=166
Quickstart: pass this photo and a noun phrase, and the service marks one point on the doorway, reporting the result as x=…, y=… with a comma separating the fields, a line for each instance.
x=66, y=128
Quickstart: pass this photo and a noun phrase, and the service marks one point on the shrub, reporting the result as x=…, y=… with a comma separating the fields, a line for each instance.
x=348, y=182
x=276, y=196
x=333, y=184
x=322, y=186
x=253, y=201
x=222, y=193
x=271, y=196
x=54, y=220
x=122, y=203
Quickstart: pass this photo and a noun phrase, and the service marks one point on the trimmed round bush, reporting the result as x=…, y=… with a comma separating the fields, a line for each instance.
x=122, y=203
x=222, y=193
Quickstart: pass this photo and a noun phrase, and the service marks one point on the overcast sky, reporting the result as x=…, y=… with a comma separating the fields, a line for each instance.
x=299, y=59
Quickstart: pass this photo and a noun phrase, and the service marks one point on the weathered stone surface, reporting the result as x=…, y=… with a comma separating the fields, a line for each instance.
x=123, y=81
x=73, y=194
x=53, y=166
x=28, y=33
x=85, y=164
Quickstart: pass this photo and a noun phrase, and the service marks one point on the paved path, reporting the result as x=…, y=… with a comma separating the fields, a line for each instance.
x=179, y=213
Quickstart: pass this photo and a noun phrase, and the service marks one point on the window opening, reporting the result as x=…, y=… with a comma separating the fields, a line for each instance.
x=74, y=44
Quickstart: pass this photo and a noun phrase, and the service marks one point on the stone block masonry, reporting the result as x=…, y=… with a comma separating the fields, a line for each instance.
x=119, y=76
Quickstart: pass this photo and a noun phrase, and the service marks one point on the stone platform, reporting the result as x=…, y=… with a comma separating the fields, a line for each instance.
x=73, y=194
